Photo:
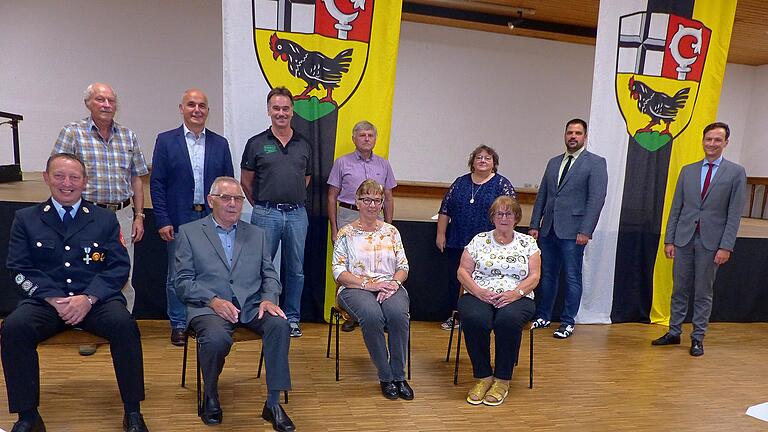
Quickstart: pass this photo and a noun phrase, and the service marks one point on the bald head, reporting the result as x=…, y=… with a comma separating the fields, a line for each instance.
x=194, y=109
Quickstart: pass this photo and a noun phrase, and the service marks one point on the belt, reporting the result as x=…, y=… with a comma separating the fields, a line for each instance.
x=349, y=206
x=115, y=206
x=280, y=206
x=198, y=207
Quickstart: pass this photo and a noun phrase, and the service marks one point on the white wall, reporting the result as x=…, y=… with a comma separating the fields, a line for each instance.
x=455, y=88
x=149, y=50
x=754, y=156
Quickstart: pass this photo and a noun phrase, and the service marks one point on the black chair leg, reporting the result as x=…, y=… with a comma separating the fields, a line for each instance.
x=330, y=327
x=199, y=379
x=184, y=362
x=450, y=338
x=458, y=351
x=285, y=392
x=261, y=360
x=338, y=318
x=530, y=356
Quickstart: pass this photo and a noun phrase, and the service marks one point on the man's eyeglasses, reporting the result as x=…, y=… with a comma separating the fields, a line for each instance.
x=502, y=215
x=227, y=198
x=369, y=201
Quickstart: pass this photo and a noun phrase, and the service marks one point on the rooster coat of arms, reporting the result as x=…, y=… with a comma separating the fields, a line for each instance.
x=318, y=49
x=659, y=66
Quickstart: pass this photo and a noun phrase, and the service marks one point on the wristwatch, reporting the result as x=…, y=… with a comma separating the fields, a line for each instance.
x=521, y=292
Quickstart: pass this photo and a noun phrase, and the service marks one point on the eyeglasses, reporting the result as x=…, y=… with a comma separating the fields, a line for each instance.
x=227, y=198
x=369, y=201
x=502, y=215
x=483, y=158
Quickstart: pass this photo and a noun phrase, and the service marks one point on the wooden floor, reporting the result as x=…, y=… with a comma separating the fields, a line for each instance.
x=604, y=378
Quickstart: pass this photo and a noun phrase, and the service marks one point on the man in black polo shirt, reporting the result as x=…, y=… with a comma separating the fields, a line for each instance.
x=275, y=174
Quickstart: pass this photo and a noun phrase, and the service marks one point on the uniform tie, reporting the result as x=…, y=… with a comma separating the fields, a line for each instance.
x=707, y=179
x=67, y=220
x=565, y=170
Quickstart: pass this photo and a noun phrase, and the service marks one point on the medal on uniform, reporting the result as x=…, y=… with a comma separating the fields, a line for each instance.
x=87, y=257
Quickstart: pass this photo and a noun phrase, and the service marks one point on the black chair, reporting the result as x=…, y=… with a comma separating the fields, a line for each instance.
x=338, y=313
x=455, y=316
x=240, y=335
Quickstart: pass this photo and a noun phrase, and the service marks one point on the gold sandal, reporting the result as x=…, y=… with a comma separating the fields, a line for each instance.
x=497, y=393
x=477, y=392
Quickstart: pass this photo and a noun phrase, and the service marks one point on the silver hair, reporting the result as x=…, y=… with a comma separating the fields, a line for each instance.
x=364, y=125
x=224, y=179
x=90, y=90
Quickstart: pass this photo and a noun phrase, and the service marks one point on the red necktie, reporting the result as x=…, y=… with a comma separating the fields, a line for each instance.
x=707, y=179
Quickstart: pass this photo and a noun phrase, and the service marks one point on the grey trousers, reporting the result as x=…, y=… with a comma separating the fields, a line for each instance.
x=214, y=334
x=694, y=272
x=373, y=316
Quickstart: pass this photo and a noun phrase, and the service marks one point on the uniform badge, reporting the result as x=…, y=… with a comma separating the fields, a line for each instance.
x=122, y=240
x=87, y=258
x=19, y=279
x=85, y=210
x=46, y=208
x=26, y=285
x=99, y=257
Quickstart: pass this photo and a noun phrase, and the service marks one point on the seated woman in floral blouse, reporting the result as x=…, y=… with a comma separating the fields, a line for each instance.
x=370, y=266
x=499, y=271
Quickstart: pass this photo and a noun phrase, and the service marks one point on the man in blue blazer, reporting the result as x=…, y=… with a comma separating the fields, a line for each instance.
x=701, y=232
x=568, y=205
x=185, y=163
x=226, y=278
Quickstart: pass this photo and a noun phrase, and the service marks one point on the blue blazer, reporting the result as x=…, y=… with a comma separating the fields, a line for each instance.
x=172, y=183
x=573, y=207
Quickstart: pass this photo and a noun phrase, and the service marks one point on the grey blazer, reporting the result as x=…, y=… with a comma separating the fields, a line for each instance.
x=718, y=214
x=575, y=206
x=202, y=270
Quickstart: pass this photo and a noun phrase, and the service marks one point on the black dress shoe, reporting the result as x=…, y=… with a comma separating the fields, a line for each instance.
x=667, y=339
x=211, y=414
x=178, y=336
x=25, y=426
x=404, y=391
x=389, y=390
x=697, y=348
x=349, y=326
x=279, y=419
x=134, y=422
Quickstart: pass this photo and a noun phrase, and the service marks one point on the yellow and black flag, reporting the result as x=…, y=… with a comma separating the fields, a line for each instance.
x=659, y=68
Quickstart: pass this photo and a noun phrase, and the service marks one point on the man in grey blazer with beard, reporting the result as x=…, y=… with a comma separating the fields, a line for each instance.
x=701, y=232
x=568, y=205
x=225, y=276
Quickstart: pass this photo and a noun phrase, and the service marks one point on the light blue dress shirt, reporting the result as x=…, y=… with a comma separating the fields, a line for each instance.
x=705, y=168
x=59, y=208
x=196, y=149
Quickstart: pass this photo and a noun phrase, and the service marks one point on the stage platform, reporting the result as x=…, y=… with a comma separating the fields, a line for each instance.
x=740, y=294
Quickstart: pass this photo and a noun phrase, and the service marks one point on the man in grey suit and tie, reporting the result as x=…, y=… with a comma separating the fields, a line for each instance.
x=225, y=276
x=568, y=205
x=701, y=232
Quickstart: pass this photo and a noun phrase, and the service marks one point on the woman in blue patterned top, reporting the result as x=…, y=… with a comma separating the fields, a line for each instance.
x=464, y=212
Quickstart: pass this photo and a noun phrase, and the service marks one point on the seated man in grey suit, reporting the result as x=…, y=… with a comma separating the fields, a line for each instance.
x=225, y=276
x=701, y=232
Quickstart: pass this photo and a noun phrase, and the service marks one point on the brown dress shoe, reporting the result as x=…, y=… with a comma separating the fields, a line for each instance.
x=178, y=336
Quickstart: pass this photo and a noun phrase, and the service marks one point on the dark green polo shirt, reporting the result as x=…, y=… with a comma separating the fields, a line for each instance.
x=279, y=172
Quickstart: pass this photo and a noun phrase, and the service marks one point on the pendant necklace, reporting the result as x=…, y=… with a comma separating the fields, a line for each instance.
x=474, y=192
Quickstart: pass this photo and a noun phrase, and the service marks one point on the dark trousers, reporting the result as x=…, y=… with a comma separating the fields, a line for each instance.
x=557, y=254
x=214, y=334
x=32, y=323
x=478, y=318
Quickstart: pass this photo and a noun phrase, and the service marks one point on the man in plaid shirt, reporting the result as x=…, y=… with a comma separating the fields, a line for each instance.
x=114, y=163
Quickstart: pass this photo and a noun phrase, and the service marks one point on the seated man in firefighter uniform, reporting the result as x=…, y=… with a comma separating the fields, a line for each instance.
x=68, y=258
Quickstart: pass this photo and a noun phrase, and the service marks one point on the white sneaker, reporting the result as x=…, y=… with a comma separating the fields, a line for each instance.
x=540, y=323
x=564, y=331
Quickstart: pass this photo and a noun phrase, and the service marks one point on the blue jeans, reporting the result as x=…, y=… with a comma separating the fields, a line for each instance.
x=288, y=228
x=557, y=253
x=177, y=311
